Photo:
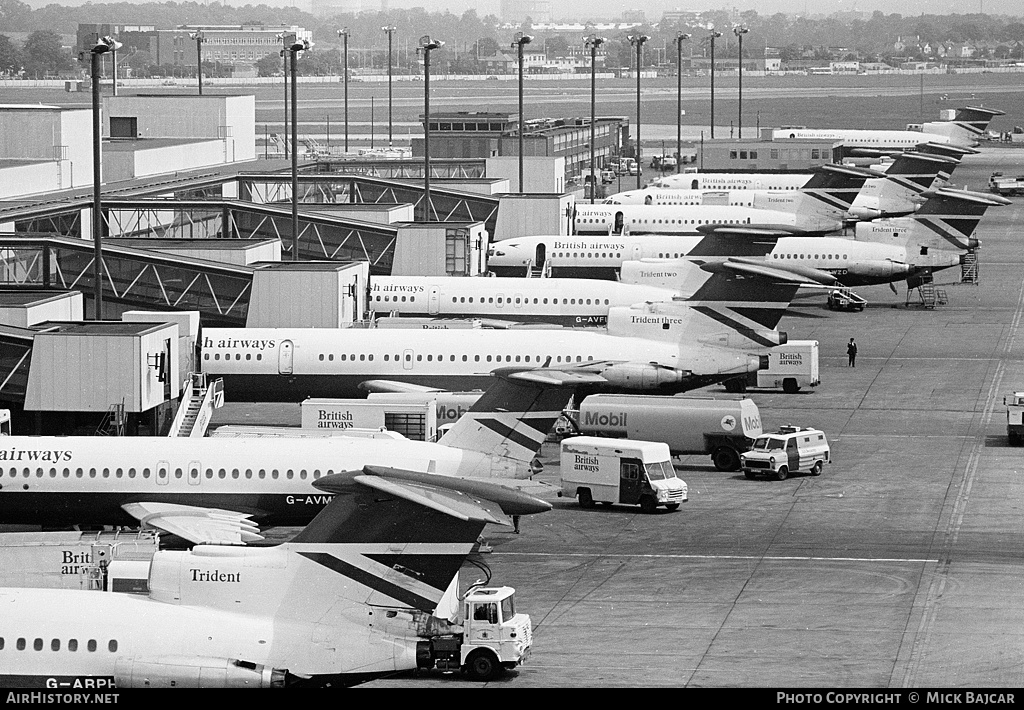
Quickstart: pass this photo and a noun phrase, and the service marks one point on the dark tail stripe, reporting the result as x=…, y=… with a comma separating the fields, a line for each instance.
x=951, y=238
x=376, y=583
x=507, y=432
x=738, y=327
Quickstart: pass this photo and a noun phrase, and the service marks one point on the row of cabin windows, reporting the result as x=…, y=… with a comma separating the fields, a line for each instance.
x=274, y=474
x=37, y=645
x=238, y=356
x=465, y=358
x=604, y=220
x=518, y=300
x=396, y=299
x=807, y=256
x=585, y=255
x=731, y=204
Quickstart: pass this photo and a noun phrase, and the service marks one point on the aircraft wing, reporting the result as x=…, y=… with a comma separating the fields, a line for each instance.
x=726, y=230
x=393, y=386
x=795, y=274
x=510, y=499
x=458, y=505
x=202, y=526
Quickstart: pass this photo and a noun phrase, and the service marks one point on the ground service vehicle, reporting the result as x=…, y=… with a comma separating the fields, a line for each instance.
x=490, y=637
x=723, y=427
x=790, y=366
x=597, y=470
x=788, y=450
x=1006, y=185
x=1014, y=417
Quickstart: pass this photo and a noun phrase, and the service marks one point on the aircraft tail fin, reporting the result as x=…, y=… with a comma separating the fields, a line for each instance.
x=916, y=172
x=834, y=187
x=513, y=417
x=744, y=300
x=391, y=542
x=976, y=117
x=950, y=217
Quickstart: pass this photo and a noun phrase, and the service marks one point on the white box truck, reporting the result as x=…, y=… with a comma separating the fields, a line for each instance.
x=597, y=470
x=414, y=420
x=1014, y=417
x=450, y=405
x=790, y=367
x=723, y=427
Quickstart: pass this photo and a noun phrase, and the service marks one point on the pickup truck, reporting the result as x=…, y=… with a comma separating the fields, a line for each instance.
x=1006, y=185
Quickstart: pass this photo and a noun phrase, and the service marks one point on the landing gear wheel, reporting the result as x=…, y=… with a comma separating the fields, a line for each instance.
x=783, y=473
x=482, y=666
x=648, y=504
x=725, y=459
x=586, y=499
x=816, y=468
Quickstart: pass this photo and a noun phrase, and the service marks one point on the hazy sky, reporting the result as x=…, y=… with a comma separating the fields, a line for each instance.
x=653, y=8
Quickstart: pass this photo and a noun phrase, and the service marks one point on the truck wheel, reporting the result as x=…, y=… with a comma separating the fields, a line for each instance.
x=749, y=474
x=789, y=386
x=672, y=506
x=725, y=459
x=586, y=499
x=482, y=666
x=648, y=504
x=783, y=473
x=735, y=385
x=816, y=468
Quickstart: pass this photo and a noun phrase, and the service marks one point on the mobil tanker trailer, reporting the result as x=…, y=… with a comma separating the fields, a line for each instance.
x=723, y=427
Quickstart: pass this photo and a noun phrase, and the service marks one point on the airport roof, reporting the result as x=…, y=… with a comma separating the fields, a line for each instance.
x=192, y=244
x=100, y=328
x=24, y=297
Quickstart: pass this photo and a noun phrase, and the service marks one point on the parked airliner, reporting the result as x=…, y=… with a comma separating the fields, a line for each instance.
x=893, y=192
x=569, y=302
x=638, y=351
x=215, y=490
x=339, y=604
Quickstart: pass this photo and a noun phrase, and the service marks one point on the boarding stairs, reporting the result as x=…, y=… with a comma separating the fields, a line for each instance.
x=198, y=400
x=969, y=268
x=929, y=295
x=114, y=421
x=845, y=299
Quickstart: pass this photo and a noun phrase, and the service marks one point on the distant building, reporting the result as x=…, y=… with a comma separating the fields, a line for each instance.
x=760, y=154
x=228, y=44
x=492, y=134
x=329, y=8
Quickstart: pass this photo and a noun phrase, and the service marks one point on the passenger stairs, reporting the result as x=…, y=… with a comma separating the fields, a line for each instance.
x=114, y=421
x=930, y=296
x=844, y=299
x=969, y=268
x=198, y=400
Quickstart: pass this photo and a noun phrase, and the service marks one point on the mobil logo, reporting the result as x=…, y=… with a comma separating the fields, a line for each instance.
x=600, y=419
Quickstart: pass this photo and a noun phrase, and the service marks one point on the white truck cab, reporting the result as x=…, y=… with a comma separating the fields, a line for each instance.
x=787, y=451
x=598, y=470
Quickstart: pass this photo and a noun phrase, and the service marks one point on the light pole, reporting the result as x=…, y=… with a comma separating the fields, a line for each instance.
x=714, y=33
x=103, y=45
x=425, y=46
x=592, y=43
x=390, y=31
x=520, y=41
x=680, y=38
x=638, y=42
x=343, y=33
x=293, y=46
x=284, y=59
x=739, y=32
x=199, y=37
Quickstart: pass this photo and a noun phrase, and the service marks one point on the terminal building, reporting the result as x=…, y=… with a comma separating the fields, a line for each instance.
x=465, y=134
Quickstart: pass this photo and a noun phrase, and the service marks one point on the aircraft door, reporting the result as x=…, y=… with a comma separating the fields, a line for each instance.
x=631, y=477
x=619, y=223
x=433, y=300
x=285, y=363
x=540, y=256
x=162, y=473
x=695, y=185
x=407, y=356
x=195, y=473
x=793, y=455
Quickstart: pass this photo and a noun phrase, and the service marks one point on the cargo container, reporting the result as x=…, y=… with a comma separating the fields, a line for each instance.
x=414, y=420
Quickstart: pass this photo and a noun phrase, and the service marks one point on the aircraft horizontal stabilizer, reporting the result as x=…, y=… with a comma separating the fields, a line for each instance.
x=393, y=386
x=508, y=495
x=968, y=196
x=789, y=274
x=549, y=377
x=764, y=230
x=873, y=152
x=202, y=526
